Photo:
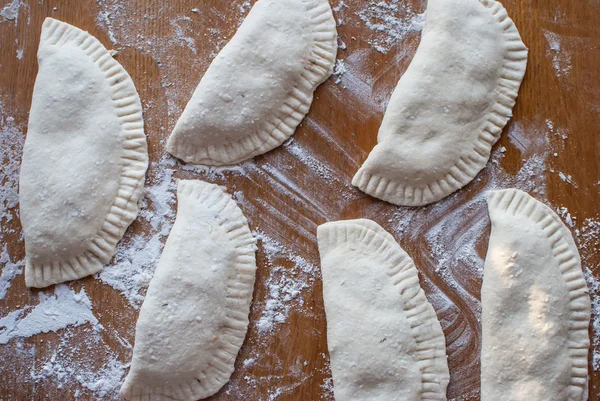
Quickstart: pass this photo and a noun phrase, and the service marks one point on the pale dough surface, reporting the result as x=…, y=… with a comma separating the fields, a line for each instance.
x=385, y=341
x=84, y=161
x=195, y=315
x=535, y=305
x=450, y=105
x=260, y=86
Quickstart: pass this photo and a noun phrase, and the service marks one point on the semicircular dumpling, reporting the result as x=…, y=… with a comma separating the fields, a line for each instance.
x=84, y=161
x=535, y=305
x=450, y=105
x=260, y=86
x=195, y=315
x=385, y=341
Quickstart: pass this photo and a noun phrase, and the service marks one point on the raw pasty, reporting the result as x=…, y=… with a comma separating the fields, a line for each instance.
x=535, y=305
x=84, y=161
x=260, y=86
x=385, y=341
x=195, y=316
x=449, y=107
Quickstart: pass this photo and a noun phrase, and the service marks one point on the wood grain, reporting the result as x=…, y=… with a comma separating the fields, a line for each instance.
x=340, y=130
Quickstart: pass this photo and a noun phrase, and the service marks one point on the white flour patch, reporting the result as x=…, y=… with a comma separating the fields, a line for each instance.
x=68, y=366
x=284, y=285
x=339, y=12
x=282, y=289
x=339, y=71
x=567, y=178
x=10, y=270
x=10, y=12
x=181, y=36
x=104, y=381
x=390, y=22
x=561, y=59
x=11, y=148
x=12, y=139
x=307, y=158
x=54, y=312
x=566, y=216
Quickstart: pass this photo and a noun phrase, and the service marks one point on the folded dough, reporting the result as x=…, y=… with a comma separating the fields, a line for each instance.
x=450, y=105
x=385, y=341
x=535, y=305
x=260, y=86
x=84, y=161
x=195, y=315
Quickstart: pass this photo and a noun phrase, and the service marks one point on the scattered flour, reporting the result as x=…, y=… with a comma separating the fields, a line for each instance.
x=391, y=22
x=10, y=270
x=136, y=258
x=561, y=59
x=181, y=35
x=567, y=178
x=12, y=139
x=339, y=71
x=11, y=147
x=55, y=312
x=284, y=291
x=339, y=12
x=68, y=364
x=10, y=12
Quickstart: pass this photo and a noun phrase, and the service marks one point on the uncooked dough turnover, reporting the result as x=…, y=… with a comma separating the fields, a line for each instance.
x=449, y=107
x=535, y=305
x=385, y=341
x=84, y=161
x=260, y=86
x=195, y=315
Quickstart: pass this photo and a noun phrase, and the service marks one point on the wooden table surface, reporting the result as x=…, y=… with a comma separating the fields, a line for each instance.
x=549, y=148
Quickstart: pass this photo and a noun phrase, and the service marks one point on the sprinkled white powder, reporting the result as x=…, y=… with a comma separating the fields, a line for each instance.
x=282, y=290
x=10, y=12
x=339, y=12
x=183, y=38
x=567, y=178
x=55, y=312
x=10, y=270
x=561, y=59
x=11, y=148
x=339, y=71
x=136, y=258
x=391, y=22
